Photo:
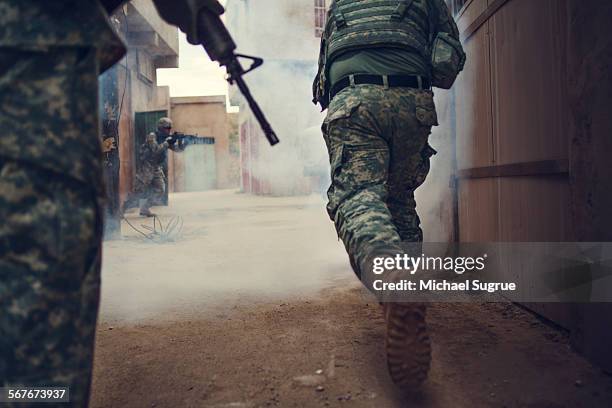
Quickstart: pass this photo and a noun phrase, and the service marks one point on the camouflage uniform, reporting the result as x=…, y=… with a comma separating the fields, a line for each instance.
x=50, y=178
x=377, y=137
x=150, y=180
x=377, y=143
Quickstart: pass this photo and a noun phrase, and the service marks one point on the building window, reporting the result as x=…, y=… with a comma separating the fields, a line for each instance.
x=455, y=5
x=320, y=17
x=146, y=69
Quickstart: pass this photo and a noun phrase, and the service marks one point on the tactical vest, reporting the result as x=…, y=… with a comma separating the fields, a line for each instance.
x=359, y=24
x=371, y=23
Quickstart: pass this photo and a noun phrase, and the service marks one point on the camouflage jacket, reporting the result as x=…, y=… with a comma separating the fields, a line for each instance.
x=152, y=158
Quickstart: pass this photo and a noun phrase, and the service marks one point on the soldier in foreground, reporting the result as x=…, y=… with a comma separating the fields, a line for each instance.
x=51, y=54
x=377, y=65
x=151, y=180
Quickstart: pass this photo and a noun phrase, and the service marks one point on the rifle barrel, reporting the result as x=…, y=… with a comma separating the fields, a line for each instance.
x=259, y=115
x=221, y=47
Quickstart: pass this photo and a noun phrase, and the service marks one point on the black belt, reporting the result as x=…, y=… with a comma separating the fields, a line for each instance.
x=393, y=81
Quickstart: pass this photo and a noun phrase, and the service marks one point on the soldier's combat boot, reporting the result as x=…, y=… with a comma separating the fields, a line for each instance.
x=122, y=210
x=407, y=344
x=145, y=212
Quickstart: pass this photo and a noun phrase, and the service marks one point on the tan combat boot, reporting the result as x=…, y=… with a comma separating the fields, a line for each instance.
x=407, y=344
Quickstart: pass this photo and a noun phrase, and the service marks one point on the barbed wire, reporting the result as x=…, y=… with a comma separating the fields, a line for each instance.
x=160, y=233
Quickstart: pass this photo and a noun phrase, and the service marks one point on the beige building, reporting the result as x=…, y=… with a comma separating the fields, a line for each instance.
x=204, y=167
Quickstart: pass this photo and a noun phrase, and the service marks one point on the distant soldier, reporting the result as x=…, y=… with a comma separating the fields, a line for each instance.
x=378, y=62
x=150, y=180
x=50, y=177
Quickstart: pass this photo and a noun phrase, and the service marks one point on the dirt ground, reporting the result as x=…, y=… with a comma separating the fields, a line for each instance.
x=299, y=332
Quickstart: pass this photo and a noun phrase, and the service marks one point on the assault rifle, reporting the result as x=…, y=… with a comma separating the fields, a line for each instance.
x=184, y=140
x=221, y=48
x=201, y=21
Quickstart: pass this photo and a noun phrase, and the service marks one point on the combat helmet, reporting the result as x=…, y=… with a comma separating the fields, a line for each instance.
x=164, y=123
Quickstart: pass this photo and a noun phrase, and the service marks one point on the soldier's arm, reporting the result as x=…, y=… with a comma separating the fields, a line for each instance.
x=184, y=14
x=446, y=22
x=161, y=148
x=177, y=147
x=156, y=149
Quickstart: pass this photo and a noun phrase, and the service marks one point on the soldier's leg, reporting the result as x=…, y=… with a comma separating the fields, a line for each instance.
x=354, y=132
x=154, y=190
x=50, y=233
x=159, y=188
x=50, y=240
x=146, y=202
x=409, y=164
x=407, y=341
x=133, y=198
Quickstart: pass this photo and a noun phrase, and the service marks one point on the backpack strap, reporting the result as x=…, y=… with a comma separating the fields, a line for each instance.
x=401, y=10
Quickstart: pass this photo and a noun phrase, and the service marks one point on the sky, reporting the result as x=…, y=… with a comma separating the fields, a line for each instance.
x=197, y=75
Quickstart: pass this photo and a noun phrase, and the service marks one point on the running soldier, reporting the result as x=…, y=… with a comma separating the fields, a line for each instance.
x=378, y=62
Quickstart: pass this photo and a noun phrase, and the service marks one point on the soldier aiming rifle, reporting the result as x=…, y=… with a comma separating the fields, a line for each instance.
x=377, y=64
x=151, y=182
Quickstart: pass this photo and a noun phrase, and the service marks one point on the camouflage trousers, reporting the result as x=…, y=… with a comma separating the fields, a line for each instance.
x=378, y=151
x=149, y=188
x=50, y=241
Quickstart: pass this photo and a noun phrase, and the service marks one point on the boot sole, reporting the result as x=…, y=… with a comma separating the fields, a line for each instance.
x=407, y=345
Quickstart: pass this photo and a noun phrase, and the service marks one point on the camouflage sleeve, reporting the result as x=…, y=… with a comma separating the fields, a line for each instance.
x=446, y=22
x=155, y=149
x=160, y=148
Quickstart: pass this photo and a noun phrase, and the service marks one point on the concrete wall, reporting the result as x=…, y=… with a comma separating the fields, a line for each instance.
x=145, y=94
x=127, y=150
x=167, y=37
x=204, y=116
x=284, y=34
